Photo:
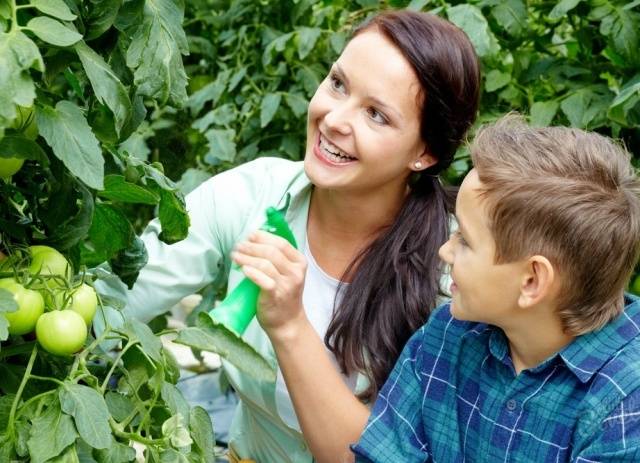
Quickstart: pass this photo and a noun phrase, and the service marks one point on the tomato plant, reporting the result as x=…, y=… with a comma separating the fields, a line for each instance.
x=78, y=80
x=30, y=307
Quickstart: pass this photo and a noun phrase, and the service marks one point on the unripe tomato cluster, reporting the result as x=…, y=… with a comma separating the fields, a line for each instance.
x=62, y=330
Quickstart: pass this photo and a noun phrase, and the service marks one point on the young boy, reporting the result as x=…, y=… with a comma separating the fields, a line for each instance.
x=537, y=356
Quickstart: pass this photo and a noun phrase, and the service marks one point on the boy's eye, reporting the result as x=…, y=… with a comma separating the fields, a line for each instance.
x=377, y=116
x=336, y=83
x=458, y=236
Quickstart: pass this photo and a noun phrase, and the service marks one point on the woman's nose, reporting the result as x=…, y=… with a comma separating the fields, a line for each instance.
x=338, y=119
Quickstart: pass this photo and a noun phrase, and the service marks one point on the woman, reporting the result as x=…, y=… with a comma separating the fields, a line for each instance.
x=368, y=213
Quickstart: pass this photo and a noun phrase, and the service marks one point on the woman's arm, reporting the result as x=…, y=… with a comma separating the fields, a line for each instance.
x=330, y=415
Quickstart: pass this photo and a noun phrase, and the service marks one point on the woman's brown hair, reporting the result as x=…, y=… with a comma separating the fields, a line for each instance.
x=395, y=281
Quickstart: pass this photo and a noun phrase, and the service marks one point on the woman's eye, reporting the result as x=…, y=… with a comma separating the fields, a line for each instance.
x=336, y=83
x=377, y=116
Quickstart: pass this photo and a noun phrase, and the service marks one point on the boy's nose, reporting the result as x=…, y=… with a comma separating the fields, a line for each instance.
x=446, y=252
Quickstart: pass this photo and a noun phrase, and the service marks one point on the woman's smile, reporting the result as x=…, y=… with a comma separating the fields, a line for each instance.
x=330, y=154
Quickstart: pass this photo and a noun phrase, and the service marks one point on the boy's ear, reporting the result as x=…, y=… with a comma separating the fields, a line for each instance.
x=538, y=281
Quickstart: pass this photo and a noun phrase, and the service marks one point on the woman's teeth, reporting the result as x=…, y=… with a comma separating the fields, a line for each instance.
x=333, y=153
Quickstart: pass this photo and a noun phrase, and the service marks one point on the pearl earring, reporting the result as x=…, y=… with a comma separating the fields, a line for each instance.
x=418, y=165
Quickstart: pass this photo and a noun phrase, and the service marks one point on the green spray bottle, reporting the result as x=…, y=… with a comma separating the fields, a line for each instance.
x=237, y=310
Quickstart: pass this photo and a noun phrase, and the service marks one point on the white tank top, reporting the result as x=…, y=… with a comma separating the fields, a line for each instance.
x=318, y=300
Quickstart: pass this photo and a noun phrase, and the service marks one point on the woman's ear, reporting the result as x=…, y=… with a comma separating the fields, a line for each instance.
x=424, y=161
x=538, y=281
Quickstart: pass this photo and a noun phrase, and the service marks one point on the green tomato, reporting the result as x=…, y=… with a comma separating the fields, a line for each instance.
x=85, y=302
x=30, y=307
x=9, y=166
x=61, y=332
x=49, y=262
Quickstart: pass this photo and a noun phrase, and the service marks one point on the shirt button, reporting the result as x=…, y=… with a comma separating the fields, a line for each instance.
x=511, y=405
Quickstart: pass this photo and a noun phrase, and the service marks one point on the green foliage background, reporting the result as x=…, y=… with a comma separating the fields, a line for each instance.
x=138, y=101
x=253, y=66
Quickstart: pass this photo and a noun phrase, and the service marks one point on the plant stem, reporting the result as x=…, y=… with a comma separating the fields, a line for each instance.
x=14, y=16
x=47, y=378
x=114, y=366
x=25, y=378
x=133, y=436
x=37, y=397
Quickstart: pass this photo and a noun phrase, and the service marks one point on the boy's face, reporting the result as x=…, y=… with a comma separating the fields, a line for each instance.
x=482, y=291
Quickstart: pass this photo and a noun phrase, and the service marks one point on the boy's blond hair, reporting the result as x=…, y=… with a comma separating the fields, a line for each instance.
x=571, y=196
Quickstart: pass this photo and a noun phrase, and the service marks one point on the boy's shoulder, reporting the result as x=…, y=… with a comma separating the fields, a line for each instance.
x=609, y=360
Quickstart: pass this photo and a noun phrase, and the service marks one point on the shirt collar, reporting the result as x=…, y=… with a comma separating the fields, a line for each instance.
x=589, y=352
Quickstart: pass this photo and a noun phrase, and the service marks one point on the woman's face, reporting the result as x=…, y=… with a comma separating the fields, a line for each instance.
x=363, y=128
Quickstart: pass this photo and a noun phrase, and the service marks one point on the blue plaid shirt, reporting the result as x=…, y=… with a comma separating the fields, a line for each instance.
x=453, y=396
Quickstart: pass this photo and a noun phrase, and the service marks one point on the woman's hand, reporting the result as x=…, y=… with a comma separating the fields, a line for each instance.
x=279, y=270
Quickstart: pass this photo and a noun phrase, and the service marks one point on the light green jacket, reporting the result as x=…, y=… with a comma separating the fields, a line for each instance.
x=223, y=211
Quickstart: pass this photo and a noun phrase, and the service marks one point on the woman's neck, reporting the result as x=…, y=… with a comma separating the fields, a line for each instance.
x=353, y=217
x=341, y=225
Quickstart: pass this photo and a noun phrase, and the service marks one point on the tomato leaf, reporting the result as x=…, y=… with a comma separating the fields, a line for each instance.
x=221, y=144
x=511, y=15
x=176, y=430
x=118, y=189
x=101, y=17
x=470, y=19
x=543, y=112
x=68, y=230
x=202, y=434
x=297, y=103
x=18, y=54
x=625, y=108
x=90, y=413
x=175, y=401
x=116, y=453
x=138, y=331
x=106, y=85
x=109, y=233
x=209, y=337
x=128, y=262
x=56, y=8
x=268, y=108
x=53, y=32
x=51, y=433
x=155, y=52
x=67, y=132
x=562, y=8
x=307, y=38
x=173, y=216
